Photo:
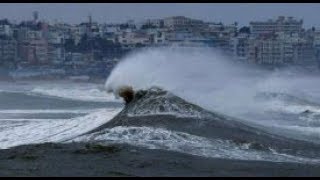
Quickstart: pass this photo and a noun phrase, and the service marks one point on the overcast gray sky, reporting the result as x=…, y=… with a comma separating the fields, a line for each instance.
x=104, y=12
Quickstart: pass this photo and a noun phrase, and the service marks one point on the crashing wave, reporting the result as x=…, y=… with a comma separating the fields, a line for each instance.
x=156, y=101
x=161, y=109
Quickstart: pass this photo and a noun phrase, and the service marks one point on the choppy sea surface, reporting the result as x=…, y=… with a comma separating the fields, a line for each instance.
x=62, y=111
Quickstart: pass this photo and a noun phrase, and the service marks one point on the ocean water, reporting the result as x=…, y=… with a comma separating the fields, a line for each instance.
x=35, y=111
x=200, y=106
x=30, y=117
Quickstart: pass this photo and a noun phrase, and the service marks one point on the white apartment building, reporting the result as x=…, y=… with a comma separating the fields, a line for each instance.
x=282, y=24
x=281, y=48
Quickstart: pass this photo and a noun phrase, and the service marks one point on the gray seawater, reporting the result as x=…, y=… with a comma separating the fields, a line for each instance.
x=28, y=116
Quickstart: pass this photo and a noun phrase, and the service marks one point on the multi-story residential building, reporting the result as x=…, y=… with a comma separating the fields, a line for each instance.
x=134, y=38
x=288, y=41
x=240, y=47
x=95, y=30
x=219, y=29
x=66, y=29
x=298, y=49
x=265, y=50
x=5, y=28
x=157, y=23
x=316, y=46
x=8, y=49
x=159, y=38
x=281, y=48
x=185, y=38
x=316, y=36
x=34, y=34
x=35, y=51
x=83, y=28
x=182, y=23
x=271, y=52
x=220, y=36
x=304, y=53
x=174, y=36
x=56, y=51
x=77, y=35
x=32, y=42
x=282, y=24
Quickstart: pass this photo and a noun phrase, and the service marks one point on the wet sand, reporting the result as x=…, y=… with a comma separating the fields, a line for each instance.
x=82, y=159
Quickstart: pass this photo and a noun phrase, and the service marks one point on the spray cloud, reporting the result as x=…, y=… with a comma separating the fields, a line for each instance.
x=211, y=80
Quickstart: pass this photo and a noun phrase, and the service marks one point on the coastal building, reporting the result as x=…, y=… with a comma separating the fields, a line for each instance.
x=185, y=38
x=5, y=28
x=316, y=46
x=240, y=47
x=265, y=49
x=56, y=51
x=182, y=23
x=155, y=23
x=35, y=51
x=131, y=39
x=159, y=37
x=282, y=24
x=8, y=50
x=281, y=48
x=274, y=42
x=304, y=53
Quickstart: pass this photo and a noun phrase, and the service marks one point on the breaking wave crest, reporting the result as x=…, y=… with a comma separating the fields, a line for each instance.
x=207, y=78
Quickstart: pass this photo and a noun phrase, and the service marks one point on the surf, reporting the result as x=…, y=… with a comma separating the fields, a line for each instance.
x=213, y=81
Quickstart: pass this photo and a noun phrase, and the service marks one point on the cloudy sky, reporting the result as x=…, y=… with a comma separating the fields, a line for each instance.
x=104, y=12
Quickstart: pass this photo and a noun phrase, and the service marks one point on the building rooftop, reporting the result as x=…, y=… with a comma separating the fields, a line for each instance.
x=280, y=19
